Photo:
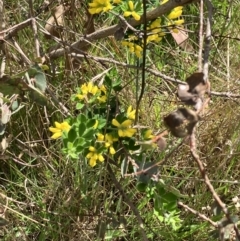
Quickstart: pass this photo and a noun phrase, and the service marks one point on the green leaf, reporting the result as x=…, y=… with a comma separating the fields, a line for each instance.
x=79, y=106
x=80, y=149
x=91, y=123
x=39, y=76
x=81, y=129
x=131, y=146
x=80, y=141
x=38, y=97
x=72, y=135
x=82, y=118
x=89, y=134
x=169, y=197
x=117, y=85
x=141, y=187
x=170, y=206
x=101, y=123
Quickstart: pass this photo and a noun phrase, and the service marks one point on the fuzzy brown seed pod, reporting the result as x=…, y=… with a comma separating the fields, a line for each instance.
x=193, y=92
x=181, y=122
x=197, y=85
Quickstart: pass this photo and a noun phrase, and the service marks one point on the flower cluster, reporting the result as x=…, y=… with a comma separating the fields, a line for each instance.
x=132, y=11
x=98, y=6
x=173, y=17
x=104, y=143
x=155, y=34
x=133, y=48
x=95, y=136
x=86, y=91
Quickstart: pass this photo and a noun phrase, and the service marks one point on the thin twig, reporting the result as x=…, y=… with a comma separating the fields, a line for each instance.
x=144, y=16
x=200, y=37
x=202, y=216
x=207, y=40
x=34, y=27
x=10, y=32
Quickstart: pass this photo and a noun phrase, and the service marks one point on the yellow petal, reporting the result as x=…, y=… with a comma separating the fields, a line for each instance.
x=174, y=14
x=56, y=135
x=92, y=162
x=95, y=125
x=57, y=124
x=112, y=150
x=80, y=97
x=131, y=113
x=148, y=134
x=129, y=132
x=65, y=126
x=103, y=88
x=130, y=4
x=115, y=123
x=127, y=14
x=136, y=16
x=89, y=155
x=126, y=123
x=120, y=133
x=100, y=157
x=92, y=149
x=138, y=54
x=100, y=137
x=93, y=4
x=179, y=22
x=164, y=1
x=54, y=130
x=102, y=99
x=107, y=144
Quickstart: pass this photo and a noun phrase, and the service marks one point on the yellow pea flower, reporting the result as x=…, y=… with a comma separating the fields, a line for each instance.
x=131, y=113
x=175, y=13
x=93, y=156
x=131, y=12
x=124, y=129
x=59, y=129
x=98, y=6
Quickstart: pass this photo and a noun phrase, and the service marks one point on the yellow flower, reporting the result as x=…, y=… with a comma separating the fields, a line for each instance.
x=124, y=129
x=179, y=22
x=80, y=97
x=155, y=34
x=98, y=6
x=133, y=48
x=102, y=99
x=109, y=142
x=103, y=89
x=93, y=156
x=131, y=12
x=100, y=137
x=117, y=1
x=148, y=134
x=175, y=13
x=131, y=113
x=59, y=129
x=87, y=89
